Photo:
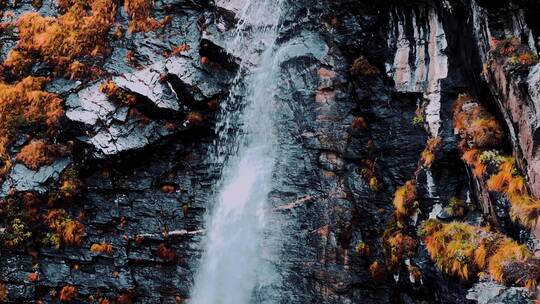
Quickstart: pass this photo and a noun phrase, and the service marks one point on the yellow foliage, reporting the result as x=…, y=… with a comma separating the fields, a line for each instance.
x=499, y=182
x=462, y=249
x=506, y=252
x=70, y=230
x=72, y=233
x=17, y=62
x=116, y=93
x=478, y=130
x=400, y=246
x=428, y=155
x=404, y=200
x=362, y=249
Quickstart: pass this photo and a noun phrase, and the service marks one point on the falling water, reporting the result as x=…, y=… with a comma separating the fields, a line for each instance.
x=231, y=267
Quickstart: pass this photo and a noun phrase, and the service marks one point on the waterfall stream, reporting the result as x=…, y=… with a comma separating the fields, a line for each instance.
x=232, y=267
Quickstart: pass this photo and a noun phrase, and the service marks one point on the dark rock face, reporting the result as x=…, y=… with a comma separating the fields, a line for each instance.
x=321, y=206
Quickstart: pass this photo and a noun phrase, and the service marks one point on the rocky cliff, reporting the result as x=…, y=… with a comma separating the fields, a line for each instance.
x=362, y=88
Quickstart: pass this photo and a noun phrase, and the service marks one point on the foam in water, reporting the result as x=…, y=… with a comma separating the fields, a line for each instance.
x=232, y=267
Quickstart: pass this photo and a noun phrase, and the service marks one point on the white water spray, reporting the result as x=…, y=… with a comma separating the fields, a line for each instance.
x=232, y=266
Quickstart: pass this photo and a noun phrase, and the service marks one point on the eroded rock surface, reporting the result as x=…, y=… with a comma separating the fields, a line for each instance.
x=149, y=178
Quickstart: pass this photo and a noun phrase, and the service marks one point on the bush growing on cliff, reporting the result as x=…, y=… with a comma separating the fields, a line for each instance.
x=140, y=12
x=39, y=153
x=513, y=52
x=428, y=155
x=104, y=248
x=400, y=247
x=25, y=104
x=16, y=234
x=80, y=33
x=463, y=250
x=405, y=200
x=67, y=293
x=362, y=249
x=378, y=271
x=478, y=131
x=368, y=174
x=476, y=127
x=69, y=230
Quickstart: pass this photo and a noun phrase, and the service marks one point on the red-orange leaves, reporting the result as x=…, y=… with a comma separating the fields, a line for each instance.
x=39, y=153
x=25, y=103
x=68, y=293
x=140, y=12
x=104, y=248
x=81, y=32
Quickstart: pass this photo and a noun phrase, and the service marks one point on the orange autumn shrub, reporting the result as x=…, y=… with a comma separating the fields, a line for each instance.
x=464, y=250
x=18, y=62
x=25, y=103
x=78, y=34
x=69, y=230
x=400, y=247
x=68, y=293
x=140, y=13
x=368, y=174
x=39, y=153
x=168, y=188
x=513, y=52
x=478, y=131
x=476, y=127
x=104, y=248
x=428, y=155
x=506, y=181
x=362, y=249
x=405, y=200
x=359, y=123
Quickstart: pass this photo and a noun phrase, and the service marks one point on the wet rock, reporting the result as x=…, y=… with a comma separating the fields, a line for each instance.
x=150, y=84
x=488, y=292
x=109, y=126
x=428, y=48
x=21, y=178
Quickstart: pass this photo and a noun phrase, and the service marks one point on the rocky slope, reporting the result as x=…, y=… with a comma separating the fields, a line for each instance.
x=363, y=89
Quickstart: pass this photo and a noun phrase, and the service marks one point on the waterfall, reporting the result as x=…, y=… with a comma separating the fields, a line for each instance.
x=232, y=267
